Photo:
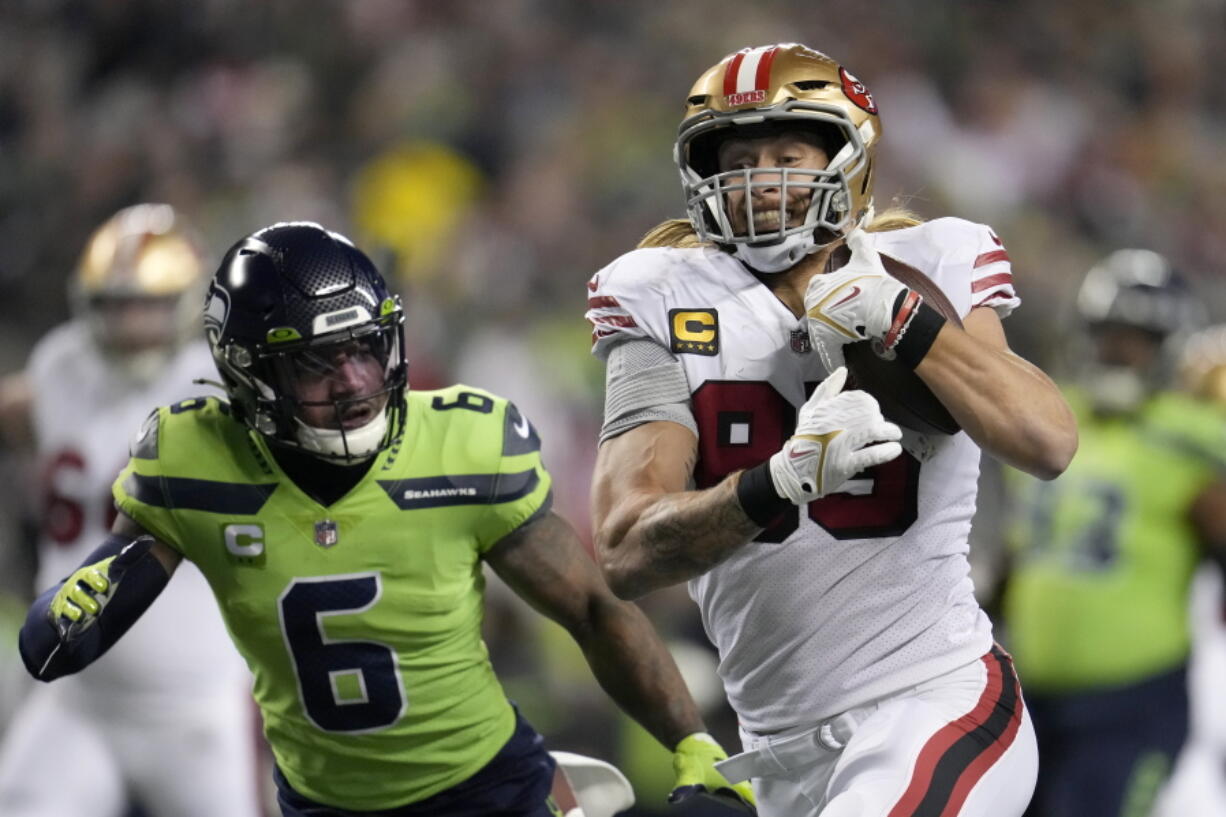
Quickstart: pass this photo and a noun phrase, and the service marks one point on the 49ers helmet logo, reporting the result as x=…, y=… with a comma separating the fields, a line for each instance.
x=856, y=92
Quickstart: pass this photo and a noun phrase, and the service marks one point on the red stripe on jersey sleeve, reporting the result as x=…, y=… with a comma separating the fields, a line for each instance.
x=612, y=320
x=603, y=302
x=989, y=281
x=990, y=258
x=998, y=297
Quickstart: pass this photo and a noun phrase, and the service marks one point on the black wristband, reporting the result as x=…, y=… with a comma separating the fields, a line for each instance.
x=755, y=490
x=915, y=328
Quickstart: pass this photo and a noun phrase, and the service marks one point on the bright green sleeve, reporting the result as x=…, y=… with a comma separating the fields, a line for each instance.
x=138, y=488
x=523, y=487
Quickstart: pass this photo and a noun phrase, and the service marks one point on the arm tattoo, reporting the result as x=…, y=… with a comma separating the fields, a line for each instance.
x=685, y=535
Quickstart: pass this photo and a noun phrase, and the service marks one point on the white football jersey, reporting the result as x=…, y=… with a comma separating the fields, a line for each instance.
x=84, y=415
x=864, y=592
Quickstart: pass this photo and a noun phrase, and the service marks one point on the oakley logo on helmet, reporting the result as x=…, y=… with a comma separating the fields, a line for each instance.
x=331, y=321
x=856, y=91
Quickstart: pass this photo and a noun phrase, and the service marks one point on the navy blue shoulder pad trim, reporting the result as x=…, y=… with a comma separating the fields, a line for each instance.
x=460, y=489
x=518, y=435
x=181, y=493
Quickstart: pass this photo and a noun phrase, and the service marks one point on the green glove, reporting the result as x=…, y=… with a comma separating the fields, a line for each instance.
x=81, y=598
x=694, y=762
x=77, y=604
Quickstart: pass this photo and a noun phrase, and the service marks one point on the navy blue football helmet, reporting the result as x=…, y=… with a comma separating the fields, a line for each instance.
x=1136, y=309
x=288, y=311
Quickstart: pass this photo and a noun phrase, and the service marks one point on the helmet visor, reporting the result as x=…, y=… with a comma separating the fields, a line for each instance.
x=341, y=381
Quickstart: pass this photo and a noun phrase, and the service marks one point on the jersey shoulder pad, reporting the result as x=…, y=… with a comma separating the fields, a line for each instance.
x=1190, y=425
x=966, y=260
x=976, y=253
x=182, y=436
x=191, y=456
x=472, y=448
x=627, y=299
x=479, y=426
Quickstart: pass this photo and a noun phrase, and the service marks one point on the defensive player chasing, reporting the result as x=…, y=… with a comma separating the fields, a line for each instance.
x=166, y=718
x=1104, y=556
x=826, y=548
x=341, y=521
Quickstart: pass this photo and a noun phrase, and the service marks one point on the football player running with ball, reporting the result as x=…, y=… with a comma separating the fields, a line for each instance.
x=825, y=546
x=342, y=522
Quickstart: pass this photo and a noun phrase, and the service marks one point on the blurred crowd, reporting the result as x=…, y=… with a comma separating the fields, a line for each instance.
x=492, y=154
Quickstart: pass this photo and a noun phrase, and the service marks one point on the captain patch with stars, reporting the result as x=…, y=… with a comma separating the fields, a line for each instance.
x=693, y=331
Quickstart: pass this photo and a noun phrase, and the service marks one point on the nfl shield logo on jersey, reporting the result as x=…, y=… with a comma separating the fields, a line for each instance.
x=325, y=533
x=800, y=341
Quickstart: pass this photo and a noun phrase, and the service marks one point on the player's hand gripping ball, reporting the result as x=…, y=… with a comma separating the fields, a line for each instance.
x=851, y=312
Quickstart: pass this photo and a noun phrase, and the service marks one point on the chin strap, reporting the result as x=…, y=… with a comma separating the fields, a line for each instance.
x=337, y=442
x=772, y=258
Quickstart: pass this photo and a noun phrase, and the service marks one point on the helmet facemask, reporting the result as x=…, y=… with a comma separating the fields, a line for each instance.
x=338, y=396
x=828, y=189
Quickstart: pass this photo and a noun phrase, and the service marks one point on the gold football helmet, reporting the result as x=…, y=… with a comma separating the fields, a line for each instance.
x=1202, y=364
x=764, y=91
x=139, y=288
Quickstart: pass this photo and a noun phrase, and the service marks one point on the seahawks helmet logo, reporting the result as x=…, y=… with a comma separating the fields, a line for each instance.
x=216, y=312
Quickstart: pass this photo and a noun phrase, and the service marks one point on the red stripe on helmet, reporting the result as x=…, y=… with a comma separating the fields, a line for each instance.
x=734, y=68
x=762, y=80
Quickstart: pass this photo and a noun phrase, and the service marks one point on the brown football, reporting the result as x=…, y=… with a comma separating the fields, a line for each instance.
x=904, y=397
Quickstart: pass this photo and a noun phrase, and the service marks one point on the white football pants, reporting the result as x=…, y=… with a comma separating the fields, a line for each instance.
x=959, y=744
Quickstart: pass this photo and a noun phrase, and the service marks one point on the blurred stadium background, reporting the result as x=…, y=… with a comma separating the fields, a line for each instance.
x=492, y=154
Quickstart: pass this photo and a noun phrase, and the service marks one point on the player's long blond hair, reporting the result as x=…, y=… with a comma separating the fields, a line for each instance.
x=679, y=233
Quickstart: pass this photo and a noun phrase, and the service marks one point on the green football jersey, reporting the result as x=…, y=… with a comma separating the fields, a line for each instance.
x=1104, y=554
x=360, y=620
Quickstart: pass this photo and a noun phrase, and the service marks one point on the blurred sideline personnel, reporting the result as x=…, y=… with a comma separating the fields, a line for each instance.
x=166, y=717
x=1198, y=784
x=341, y=521
x=1096, y=602
x=829, y=561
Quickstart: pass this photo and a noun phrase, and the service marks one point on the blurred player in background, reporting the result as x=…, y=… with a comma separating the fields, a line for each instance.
x=828, y=558
x=342, y=521
x=1096, y=601
x=165, y=718
x=1198, y=784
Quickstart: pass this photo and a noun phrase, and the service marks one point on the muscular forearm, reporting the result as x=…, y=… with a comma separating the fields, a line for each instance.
x=673, y=537
x=633, y=666
x=1007, y=405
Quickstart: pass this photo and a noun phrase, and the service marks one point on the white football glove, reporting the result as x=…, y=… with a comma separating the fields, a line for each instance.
x=851, y=304
x=838, y=435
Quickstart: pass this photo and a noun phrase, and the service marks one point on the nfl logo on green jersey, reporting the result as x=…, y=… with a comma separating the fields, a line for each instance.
x=325, y=533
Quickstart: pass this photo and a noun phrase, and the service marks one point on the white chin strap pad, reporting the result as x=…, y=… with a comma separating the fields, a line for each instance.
x=336, y=442
x=776, y=257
